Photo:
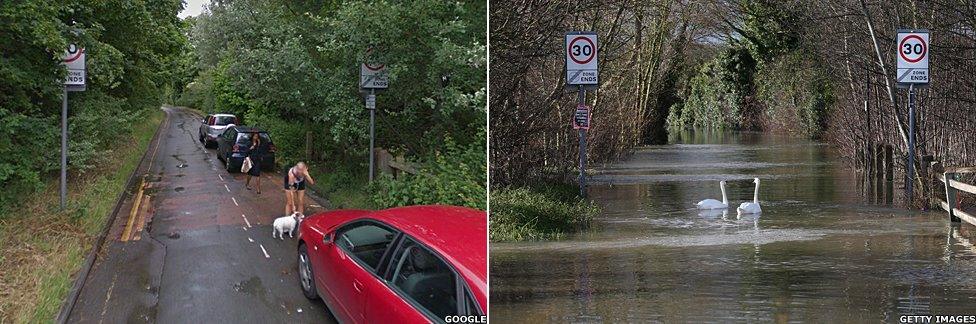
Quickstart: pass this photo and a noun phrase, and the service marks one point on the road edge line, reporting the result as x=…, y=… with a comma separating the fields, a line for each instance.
x=82, y=275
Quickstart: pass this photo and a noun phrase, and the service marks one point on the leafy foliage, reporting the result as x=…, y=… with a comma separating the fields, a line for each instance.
x=126, y=43
x=293, y=69
x=455, y=176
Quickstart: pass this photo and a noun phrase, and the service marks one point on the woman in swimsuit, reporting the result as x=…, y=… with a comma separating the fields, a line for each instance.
x=295, y=179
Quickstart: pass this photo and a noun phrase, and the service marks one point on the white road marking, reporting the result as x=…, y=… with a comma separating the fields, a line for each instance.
x=265, y=251
x=244, y=228
x=220, y=176
x=228, y=188
x=245, y=220
x=235, y=201
x=250, y=240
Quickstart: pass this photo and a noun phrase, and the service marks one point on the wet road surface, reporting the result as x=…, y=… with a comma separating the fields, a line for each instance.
x=817, y=253
x=192, y=245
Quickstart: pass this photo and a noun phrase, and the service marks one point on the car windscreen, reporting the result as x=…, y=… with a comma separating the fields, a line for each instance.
x=245, y=138
x=224, y=120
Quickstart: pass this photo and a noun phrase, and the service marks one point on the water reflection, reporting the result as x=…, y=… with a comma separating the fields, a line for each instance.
x=816, y=253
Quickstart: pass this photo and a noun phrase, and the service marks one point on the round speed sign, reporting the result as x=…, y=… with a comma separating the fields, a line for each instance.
x=912, y=48
x=581, y=50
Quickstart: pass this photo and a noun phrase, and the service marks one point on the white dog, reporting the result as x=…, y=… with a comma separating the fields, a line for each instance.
x=287, y=224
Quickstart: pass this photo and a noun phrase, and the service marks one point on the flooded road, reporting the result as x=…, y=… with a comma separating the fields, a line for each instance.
x=817, y=253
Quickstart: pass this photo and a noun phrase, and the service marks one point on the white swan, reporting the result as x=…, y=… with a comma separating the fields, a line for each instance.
x=715, y=204
x=751, y=207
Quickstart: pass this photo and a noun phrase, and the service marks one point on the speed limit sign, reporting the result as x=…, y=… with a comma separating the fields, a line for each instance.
x=581, y=60
x=913, y=56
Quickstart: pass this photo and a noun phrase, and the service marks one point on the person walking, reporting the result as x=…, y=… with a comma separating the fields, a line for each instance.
x=256, y=154
x=295, y=179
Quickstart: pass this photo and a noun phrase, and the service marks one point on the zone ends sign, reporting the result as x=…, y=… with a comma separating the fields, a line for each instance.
x=74, y=61
x=581, y=61
x=913, y=56
x=373, y=76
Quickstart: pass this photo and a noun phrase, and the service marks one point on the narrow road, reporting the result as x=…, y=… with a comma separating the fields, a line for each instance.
x=192, y=245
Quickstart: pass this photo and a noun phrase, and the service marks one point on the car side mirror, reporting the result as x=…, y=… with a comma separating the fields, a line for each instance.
x=327, y=239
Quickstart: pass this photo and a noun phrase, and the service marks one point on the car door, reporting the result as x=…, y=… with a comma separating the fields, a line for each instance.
x=203, y=125
x=419, y=288
x=352, y=260
x=225, y=141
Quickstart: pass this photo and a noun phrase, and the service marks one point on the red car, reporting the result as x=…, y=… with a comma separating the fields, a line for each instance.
x=415, y=264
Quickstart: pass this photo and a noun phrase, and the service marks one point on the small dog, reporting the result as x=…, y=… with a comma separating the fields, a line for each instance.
x=287, y=224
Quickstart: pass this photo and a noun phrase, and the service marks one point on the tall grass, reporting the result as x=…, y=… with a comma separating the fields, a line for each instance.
x=541, y=212
x=42, y=247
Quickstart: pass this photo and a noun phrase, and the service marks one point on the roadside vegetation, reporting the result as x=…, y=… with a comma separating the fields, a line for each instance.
x=292, y=69
x=807, y=68
x=42, y=247
x=131, y=51
x=542, y=212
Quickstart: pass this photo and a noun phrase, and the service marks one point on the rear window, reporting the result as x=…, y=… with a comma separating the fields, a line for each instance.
x=246, y=138
x=224, y=120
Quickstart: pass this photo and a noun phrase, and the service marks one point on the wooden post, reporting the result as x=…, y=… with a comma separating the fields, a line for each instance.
x=935, y=169
x=923, y=173
x=308, y=146
x=951, y=196
x=869, y=168
x=879, y=166
x=889, y=174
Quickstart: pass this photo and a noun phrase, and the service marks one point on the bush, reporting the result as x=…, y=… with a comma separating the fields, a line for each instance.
x=538, y=213
x=455, y=176
x=718, y=96
x=797, y=93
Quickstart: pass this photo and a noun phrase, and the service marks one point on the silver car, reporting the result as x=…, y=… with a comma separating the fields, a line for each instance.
x=212, y=126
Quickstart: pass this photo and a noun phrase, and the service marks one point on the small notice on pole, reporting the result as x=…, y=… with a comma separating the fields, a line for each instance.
x=913, y=57
x=371, y=101
x=74, y=61
x=581, y=119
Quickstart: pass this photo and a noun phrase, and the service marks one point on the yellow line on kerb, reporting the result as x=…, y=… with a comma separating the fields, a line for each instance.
x=135, y=209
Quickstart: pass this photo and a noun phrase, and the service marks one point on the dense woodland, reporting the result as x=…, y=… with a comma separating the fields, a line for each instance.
x=803, y=67
x=291, y=67
x=133, y=49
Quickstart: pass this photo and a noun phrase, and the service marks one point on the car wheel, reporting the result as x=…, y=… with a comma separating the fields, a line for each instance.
x=305, y=277
x=202, y=140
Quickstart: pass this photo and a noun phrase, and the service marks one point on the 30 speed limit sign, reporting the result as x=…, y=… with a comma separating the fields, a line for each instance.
x=913, y=56
x=581, y=60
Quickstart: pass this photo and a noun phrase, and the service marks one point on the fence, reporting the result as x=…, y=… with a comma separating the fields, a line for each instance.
x=949, y=178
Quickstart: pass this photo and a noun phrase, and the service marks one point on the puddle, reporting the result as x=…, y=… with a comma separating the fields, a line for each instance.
x=250, y=286
x=179, y=189
x=174, y=235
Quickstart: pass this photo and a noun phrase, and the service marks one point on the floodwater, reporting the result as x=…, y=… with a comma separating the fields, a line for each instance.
x=817, y=253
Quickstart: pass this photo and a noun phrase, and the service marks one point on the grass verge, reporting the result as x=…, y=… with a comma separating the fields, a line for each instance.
x=542, y=212
x=42, y=247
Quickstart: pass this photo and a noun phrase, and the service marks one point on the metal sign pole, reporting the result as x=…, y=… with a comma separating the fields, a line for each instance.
x=64, y=148
x=911, y=143
x=582, y=147
x=372, y=131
